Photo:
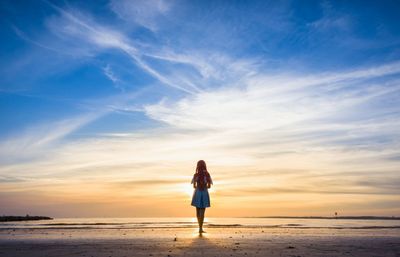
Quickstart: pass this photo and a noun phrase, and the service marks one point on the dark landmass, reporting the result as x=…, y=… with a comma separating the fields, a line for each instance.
x=23, y=218
x=333, y=217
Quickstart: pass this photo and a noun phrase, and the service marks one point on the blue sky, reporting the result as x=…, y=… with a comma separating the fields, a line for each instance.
x=288, y=94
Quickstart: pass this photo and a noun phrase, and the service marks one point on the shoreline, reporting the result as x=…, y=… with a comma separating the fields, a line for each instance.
x=330, y=218
x=50, y=227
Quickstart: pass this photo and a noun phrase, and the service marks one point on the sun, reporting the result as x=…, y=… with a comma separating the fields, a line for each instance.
x=188, y=189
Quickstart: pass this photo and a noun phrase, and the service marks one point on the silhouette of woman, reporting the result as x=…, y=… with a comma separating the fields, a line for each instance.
x=201, y=199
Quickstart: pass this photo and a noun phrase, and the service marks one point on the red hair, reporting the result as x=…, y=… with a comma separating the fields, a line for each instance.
x=201, y=166
x=202, y=177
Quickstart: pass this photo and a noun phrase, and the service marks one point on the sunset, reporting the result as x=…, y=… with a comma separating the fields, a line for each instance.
x=108, y=106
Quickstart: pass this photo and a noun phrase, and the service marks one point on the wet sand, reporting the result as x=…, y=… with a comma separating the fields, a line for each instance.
x=228, y=241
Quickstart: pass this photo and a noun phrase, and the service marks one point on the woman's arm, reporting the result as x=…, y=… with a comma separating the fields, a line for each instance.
x=209, y=181
x=194, y=182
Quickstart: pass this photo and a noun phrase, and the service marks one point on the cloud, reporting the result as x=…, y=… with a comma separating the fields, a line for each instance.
x=73, y=24
x=10, y=179
x=251, y=191
x=241, y=129
x=108, y=72
x=332, y=20
x=39, y=140
x=35, y=140
x=262, y=103
x=143, y=13
x=134, y=183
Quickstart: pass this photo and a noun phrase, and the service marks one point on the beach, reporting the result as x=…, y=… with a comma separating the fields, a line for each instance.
x=183, y=240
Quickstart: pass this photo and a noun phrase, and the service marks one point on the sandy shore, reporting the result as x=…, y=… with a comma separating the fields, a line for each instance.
x=186, y=242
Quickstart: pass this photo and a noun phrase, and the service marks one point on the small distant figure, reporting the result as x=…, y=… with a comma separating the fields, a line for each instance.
x=201, y=199
x=336, y=215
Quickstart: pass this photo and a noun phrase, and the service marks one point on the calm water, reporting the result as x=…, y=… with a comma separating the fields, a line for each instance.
x=134, y=223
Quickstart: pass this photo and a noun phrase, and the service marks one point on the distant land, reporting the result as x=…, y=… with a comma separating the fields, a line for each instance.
x=332, y=217
x=23, y=218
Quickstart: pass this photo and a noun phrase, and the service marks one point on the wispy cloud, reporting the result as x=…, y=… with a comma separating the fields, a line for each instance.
x=75, y=25
x=332, y=20
x=35, y=140
x=38, y=140
x=108, y=72
x=143, y=13
x=247, y=127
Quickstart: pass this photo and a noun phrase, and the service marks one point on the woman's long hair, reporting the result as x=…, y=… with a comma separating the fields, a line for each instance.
x=201, y=166
x=202, y=176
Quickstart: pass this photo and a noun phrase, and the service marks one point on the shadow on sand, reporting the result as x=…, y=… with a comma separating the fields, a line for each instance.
x=203, y=245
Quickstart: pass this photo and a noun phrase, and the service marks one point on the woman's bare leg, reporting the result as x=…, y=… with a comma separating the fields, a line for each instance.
x=201, y=219
x=198, y=215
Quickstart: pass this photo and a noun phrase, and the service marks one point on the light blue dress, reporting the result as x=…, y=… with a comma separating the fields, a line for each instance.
x=201, y=198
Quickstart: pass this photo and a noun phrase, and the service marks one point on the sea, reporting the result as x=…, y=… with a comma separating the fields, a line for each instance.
x=142, y=223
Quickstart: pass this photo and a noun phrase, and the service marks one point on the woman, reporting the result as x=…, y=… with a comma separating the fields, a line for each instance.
x=201, y=199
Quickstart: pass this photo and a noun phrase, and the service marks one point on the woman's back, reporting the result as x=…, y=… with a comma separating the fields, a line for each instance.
x=202, y=180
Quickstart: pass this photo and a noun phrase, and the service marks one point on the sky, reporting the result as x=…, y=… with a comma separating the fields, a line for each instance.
x=106, y=106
